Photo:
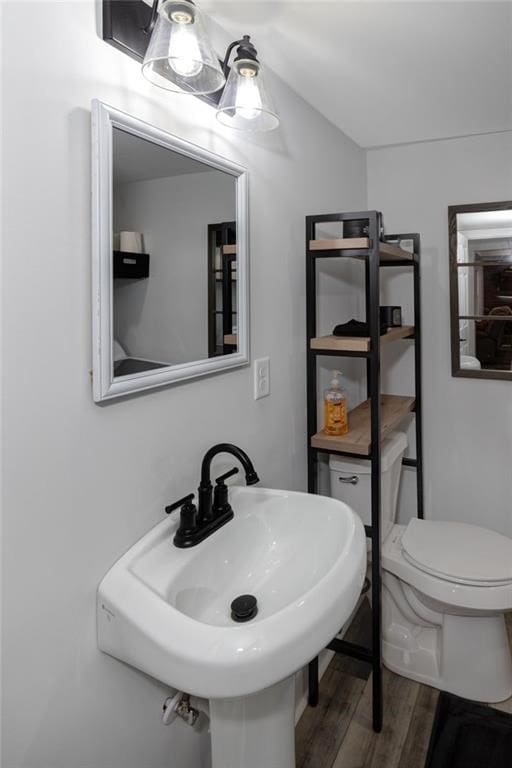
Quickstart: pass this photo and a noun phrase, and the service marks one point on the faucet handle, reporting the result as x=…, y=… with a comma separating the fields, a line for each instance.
x=180, y=503
x=225, y=476
x=188, y=518
x=220, y=495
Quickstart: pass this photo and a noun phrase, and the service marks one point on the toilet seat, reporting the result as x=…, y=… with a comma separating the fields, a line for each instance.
x=459, y=553
x=483, y=596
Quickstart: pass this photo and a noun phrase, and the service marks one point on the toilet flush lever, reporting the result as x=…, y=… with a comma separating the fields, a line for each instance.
x=352, y=480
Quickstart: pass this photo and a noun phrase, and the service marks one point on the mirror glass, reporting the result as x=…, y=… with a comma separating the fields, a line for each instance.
x=481, y=289
x=174, y=278
x=170, y=266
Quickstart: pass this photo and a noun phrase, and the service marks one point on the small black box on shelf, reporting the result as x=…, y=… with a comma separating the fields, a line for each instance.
x=391, y=317
x=131, y=265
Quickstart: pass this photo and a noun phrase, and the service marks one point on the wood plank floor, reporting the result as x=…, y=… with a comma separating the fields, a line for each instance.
x=338, y=732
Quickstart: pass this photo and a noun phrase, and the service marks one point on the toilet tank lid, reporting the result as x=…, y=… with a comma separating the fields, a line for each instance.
x=394, y=445
x=459, y=552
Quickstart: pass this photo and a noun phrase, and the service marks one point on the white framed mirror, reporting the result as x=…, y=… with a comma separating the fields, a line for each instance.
x=170, y=292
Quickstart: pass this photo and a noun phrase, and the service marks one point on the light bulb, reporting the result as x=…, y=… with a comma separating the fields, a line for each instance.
x=184, y=53
x=248, y=100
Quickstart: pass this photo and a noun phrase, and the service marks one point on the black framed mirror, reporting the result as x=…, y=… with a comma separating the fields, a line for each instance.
x=480, y=247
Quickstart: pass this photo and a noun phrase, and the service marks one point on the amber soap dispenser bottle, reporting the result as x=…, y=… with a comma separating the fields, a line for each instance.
x=335, y=409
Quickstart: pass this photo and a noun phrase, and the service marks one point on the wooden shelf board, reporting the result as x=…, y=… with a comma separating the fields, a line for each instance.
x=394, y=408
x=388, y=251
x=336, y=245
x=341, y=343
x=359, y=343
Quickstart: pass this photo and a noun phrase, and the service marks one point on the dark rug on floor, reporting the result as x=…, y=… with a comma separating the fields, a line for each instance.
x=469, y=735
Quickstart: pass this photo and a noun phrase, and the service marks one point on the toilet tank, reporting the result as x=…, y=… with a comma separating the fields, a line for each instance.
x=351, y=481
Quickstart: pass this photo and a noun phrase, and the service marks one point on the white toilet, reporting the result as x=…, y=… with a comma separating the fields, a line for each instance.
x=445, y=588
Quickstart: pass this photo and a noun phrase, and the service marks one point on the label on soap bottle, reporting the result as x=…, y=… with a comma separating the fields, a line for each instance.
x=335, y=418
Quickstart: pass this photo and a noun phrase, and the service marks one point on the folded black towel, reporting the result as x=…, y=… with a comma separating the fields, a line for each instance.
x=356, y=328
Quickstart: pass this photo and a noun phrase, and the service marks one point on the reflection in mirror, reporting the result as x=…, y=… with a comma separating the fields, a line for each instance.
x=169, y=258
x=481, y=289
x=164, y=208
x=222, y=289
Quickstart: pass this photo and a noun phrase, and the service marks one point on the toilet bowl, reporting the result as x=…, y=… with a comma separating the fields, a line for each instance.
x=445, y=589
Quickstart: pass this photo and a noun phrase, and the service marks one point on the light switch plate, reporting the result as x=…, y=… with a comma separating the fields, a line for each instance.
x=261, y=377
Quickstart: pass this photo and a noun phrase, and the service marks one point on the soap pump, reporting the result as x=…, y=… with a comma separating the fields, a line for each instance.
x=335, y=409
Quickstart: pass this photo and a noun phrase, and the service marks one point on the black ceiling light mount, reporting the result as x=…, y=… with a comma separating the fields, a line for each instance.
x=170, y=40
x=245, y=50
x=126, y=25
x=148, y=29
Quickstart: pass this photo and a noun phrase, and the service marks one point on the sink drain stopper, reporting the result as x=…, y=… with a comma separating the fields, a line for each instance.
x=244, y=608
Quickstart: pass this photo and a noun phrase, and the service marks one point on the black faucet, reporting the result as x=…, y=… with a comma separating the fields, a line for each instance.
x=197, y=524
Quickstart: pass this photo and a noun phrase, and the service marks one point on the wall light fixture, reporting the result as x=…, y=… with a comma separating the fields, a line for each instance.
x=245, y=103
x=171, y=41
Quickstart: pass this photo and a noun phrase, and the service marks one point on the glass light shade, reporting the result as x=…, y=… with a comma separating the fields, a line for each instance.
x=179, y=56
x=245, y=104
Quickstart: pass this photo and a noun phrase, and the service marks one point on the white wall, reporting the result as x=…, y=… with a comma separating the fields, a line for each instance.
x=165, y=317
x=467, y=422
x=83, y=481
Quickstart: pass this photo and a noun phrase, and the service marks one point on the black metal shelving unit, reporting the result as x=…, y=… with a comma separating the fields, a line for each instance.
x=377, y=251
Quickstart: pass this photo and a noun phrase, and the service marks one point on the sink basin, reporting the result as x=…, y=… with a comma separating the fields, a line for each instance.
x=166, y=611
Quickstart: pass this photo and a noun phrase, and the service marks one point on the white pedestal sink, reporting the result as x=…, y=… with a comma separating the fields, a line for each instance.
x=166, y=611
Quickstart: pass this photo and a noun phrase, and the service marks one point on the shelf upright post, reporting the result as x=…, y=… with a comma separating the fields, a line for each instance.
x=417, y=462
x=373, y=320
x=311, y=362
x=367, y=304
x=311, y=398
x=418, y=377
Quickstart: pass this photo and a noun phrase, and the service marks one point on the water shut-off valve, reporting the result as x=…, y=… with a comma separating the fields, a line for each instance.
x=179, y=706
